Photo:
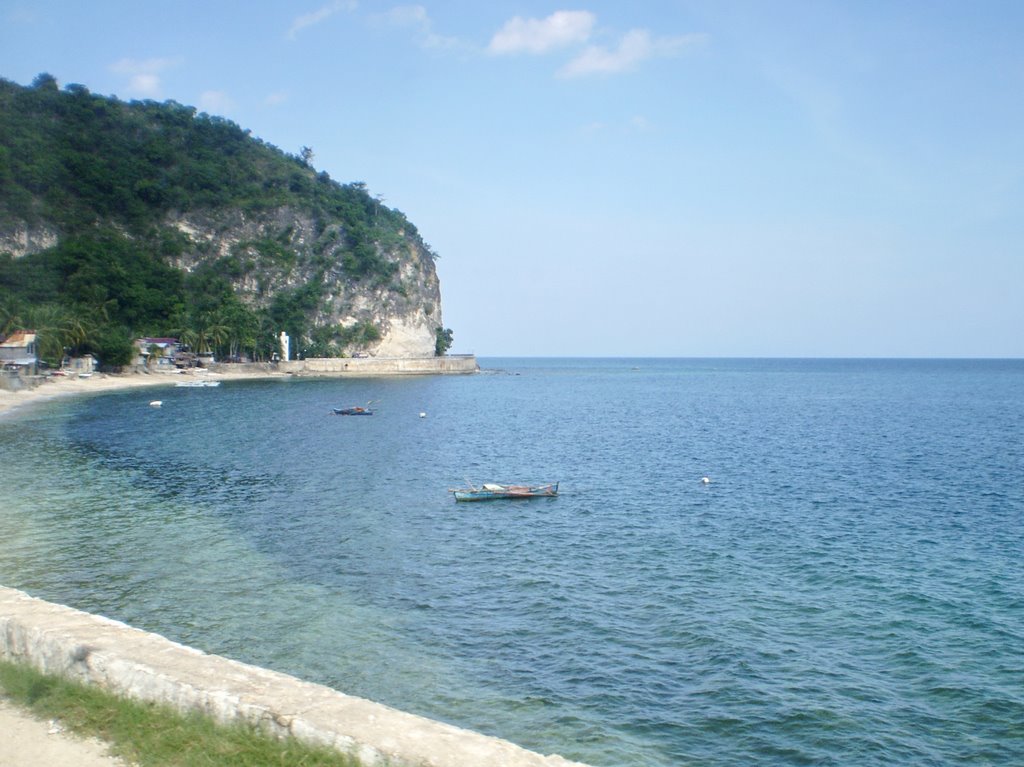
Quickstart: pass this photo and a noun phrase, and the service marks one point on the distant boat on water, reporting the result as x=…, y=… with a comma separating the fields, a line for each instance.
x=196, y=384
x=489, y=491
x=352, y=411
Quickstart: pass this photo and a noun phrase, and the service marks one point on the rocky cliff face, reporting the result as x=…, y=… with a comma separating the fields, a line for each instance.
x=19, y=239
x=287, y=249
x=102, y=202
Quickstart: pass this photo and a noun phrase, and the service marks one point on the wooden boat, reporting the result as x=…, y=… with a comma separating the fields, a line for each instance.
x=352, y=411
x=489, y=492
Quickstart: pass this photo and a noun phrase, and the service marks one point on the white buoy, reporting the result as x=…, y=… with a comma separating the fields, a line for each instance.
x=156, y=403
x=423, y=415
x=706, y=480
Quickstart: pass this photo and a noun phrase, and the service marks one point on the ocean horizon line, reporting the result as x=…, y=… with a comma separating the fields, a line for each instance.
x=744, y=357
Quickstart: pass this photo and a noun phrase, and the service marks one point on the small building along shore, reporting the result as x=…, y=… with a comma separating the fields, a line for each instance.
x=19, y=353
x=156, y=352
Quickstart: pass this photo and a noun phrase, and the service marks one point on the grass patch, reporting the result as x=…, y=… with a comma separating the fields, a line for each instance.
x=152, y=735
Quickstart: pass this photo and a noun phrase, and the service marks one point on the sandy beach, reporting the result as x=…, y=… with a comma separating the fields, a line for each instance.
x=65, y=386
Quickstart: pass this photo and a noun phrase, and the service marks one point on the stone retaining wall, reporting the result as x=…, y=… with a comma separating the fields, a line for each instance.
x=60, y=640
x=375, y=366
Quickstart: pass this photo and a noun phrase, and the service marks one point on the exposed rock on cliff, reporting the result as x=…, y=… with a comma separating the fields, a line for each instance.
x=268, y=254
x=20, y=239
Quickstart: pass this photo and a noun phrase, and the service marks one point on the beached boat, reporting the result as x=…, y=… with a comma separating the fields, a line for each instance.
x=352, y=411
x=489, y=492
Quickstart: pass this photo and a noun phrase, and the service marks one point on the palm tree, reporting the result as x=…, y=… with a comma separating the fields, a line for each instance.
x=263, y=338
x=78, y=327
x=155, y=353
x=240, y=324
x=188, y=337
x=11, y=310
x=214, y=333
x=47, y=320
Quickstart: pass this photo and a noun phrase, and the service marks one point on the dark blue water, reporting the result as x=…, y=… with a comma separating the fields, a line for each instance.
x=848, y=589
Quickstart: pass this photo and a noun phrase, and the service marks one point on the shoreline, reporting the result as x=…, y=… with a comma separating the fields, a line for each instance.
x=147, y=667
x=56, y=387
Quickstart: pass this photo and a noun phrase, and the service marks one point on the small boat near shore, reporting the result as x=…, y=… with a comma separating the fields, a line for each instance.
x=490, y=491
x=352, y=411
x=196, y=384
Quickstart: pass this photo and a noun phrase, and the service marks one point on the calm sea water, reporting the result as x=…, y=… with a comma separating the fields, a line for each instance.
x=848, y=590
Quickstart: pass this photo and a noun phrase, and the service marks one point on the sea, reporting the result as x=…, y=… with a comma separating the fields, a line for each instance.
x=846, y=589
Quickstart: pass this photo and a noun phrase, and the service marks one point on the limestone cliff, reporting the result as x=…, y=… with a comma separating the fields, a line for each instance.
x=286, y=249
x=146, y=219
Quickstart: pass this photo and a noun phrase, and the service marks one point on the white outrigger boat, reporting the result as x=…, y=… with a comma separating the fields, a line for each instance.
x=489, y=491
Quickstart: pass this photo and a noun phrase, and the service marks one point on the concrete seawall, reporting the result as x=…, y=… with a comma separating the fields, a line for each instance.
x=376, y=366
x=137, y=664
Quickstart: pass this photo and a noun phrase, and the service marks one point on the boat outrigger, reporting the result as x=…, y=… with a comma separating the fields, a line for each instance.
x=489, y=491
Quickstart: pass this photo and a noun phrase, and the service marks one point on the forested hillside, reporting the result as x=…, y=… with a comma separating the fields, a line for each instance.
x=120, y=220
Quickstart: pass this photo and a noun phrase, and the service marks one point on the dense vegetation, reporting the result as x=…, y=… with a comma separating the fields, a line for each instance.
x=106, y=175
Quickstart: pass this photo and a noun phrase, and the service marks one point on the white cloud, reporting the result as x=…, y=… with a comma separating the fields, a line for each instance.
x=21, y=16
x=558, y=30
x=215, y=102
x=635, y=47
x=639, y=123
x=321, y=14
x=144, y=74
x=128, y=66
x=144, y=85
x=275, y=99
x=416, y=17
x=408, y=15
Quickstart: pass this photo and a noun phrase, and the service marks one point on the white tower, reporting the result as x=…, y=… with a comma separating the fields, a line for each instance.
x=284, y=346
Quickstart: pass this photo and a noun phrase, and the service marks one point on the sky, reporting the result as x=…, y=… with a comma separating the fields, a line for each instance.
x=673, y=178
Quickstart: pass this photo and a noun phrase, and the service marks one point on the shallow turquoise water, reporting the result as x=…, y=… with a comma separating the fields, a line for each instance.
x=849, y=589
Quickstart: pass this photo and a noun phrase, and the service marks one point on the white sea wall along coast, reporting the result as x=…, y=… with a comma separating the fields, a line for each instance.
x=59, y=640
x=455, y=364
